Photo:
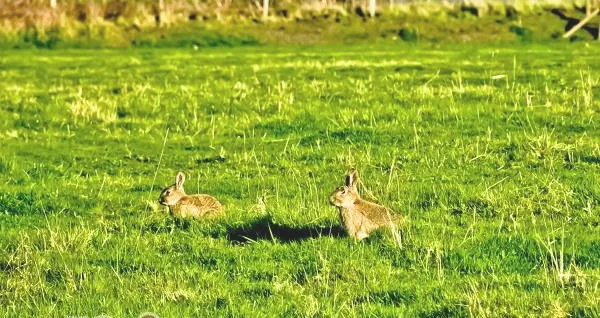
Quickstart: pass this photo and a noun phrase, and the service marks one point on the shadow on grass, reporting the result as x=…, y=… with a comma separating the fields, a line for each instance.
x=260, y=228
x=591, y=159
x=264, y=228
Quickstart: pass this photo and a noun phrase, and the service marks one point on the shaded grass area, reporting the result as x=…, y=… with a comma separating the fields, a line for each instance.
x=489, y=152
x=430, y=24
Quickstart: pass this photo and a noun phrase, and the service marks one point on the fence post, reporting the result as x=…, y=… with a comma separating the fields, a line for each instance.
x=372, y=7
x=265, y=9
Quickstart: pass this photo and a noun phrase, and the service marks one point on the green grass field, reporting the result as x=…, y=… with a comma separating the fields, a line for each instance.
x=491, y=153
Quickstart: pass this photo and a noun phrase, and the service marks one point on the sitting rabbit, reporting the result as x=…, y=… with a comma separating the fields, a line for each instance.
x=182, y=205
x=360, y=217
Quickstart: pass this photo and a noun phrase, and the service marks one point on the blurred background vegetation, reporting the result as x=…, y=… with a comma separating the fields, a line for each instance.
x=195, y=23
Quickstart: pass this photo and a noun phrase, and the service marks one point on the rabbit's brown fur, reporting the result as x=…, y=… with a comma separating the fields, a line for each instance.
x=182, y=205
x=360, y=217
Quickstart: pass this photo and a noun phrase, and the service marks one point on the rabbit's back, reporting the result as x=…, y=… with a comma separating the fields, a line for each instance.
x=364, y=217
x=377, y=214
x=198, y=205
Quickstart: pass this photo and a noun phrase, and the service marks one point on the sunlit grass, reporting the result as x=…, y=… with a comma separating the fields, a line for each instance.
x=491, y=154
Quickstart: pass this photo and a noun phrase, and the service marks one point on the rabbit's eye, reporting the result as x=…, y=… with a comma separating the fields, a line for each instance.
x=167, y=192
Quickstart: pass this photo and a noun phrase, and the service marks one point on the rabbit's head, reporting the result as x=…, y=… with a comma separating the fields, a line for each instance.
x=348, y=194
x=172, y=194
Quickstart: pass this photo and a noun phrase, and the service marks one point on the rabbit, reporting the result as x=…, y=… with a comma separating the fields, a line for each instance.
x=360, y=217
x=182, y=205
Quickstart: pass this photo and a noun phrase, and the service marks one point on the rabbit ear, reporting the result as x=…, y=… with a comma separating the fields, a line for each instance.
x=351, y=178
x=179, y=179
